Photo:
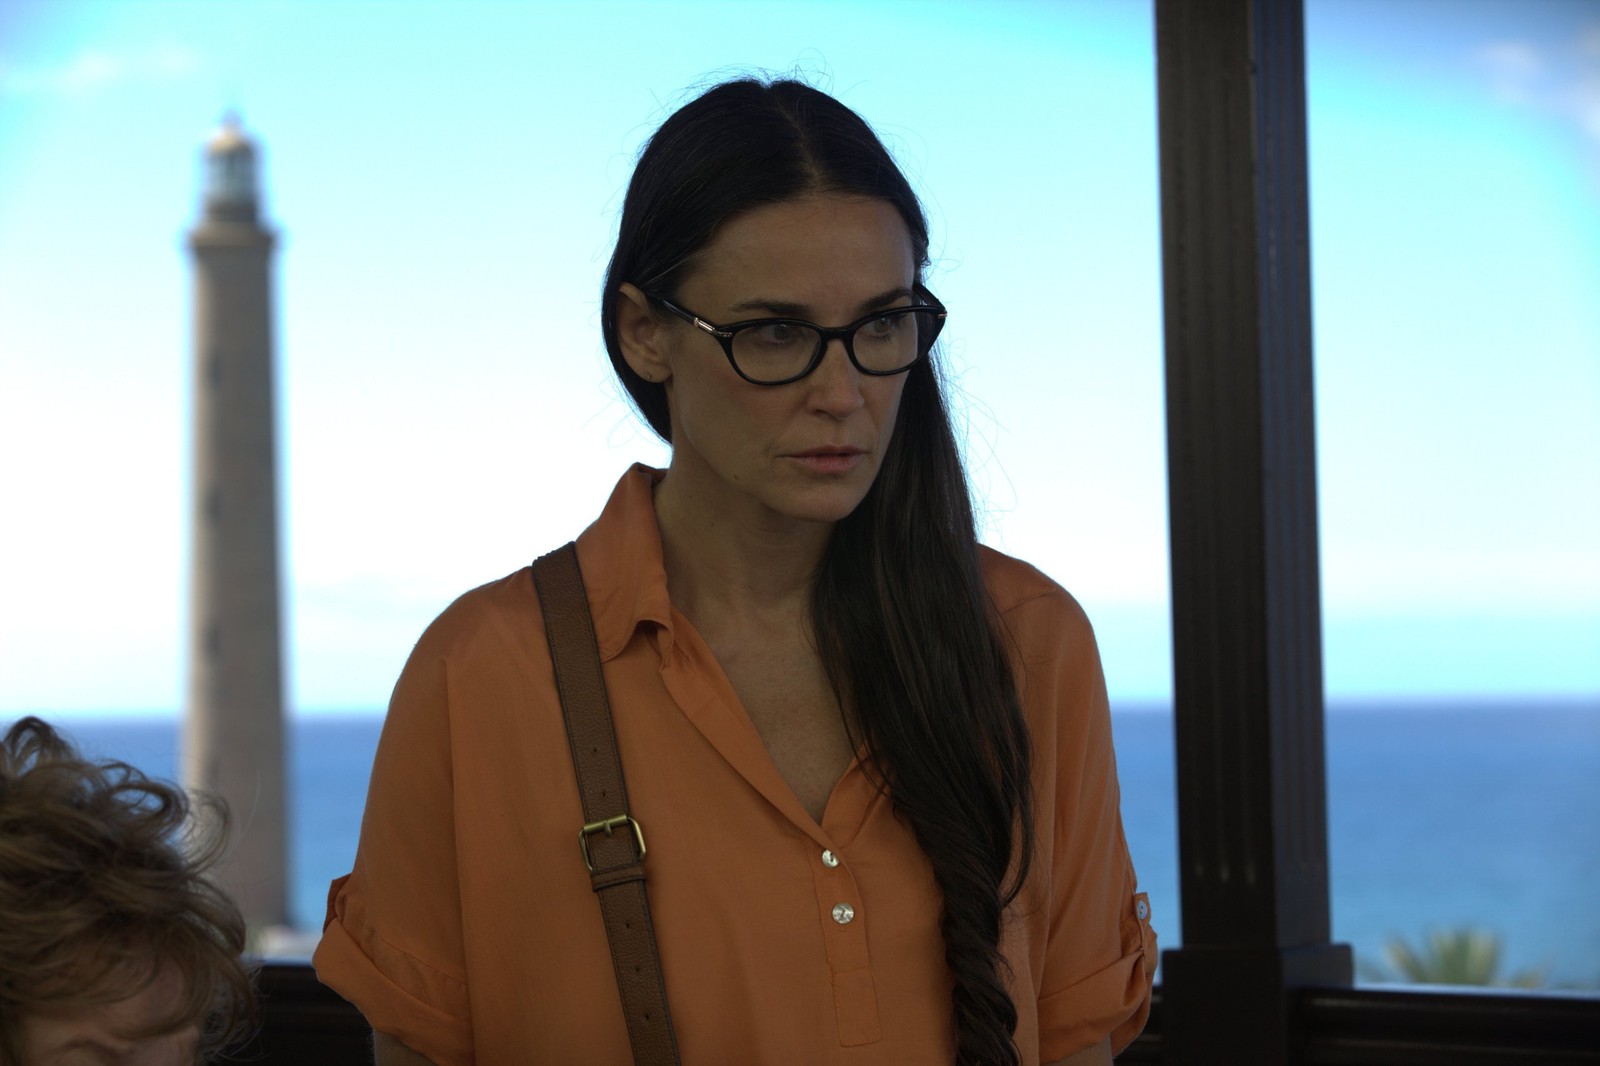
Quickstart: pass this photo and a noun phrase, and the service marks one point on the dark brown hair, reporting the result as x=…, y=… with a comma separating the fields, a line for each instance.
x=902, y=619
x=103, y=887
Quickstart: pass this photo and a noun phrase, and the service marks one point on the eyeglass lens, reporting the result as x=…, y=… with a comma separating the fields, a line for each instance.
x=777, y=351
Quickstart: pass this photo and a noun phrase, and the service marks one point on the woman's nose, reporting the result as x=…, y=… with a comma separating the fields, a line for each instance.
x=836, y=383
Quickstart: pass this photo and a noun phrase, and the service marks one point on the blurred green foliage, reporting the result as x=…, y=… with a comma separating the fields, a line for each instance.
x=1461, y=956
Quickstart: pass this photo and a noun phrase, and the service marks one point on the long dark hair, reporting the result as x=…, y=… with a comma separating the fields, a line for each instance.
x=903, y=623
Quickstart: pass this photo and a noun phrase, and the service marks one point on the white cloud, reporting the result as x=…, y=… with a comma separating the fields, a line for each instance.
x=1512, y=64
x=1562, y=78
x=94, y=69
x=1585, y=97
x=1589, y=42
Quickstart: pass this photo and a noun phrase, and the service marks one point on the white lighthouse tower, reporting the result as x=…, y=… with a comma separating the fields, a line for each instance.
x=233, y=725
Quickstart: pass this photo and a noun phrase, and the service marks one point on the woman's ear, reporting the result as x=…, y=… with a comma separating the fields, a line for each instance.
x=643, y=336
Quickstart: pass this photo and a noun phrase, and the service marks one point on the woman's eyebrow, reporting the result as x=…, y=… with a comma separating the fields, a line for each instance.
x=892, y=296
x=771, y=307
x=790, y=309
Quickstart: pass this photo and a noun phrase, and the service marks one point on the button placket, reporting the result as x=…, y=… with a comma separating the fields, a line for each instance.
x=844, y=938
x=843, y=912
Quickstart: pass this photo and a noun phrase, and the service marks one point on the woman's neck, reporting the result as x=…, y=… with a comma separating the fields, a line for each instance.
x=731, y=570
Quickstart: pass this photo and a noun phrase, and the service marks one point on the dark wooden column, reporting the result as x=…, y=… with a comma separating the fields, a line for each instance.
x=1247, y=643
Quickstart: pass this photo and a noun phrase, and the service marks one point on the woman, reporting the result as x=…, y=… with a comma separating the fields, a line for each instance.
x=872, y=760
x=114, y=945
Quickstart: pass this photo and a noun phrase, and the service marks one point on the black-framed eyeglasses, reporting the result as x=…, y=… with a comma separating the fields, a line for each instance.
x=777, y=351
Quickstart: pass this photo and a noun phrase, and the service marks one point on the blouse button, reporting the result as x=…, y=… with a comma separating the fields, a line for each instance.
x=1142, y=909
x=843, y=913
x=829, y=859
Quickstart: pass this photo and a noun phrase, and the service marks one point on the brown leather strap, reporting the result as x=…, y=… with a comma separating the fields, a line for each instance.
x=611, y=842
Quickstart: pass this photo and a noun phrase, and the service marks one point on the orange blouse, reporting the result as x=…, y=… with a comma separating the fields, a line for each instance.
x=468, y=928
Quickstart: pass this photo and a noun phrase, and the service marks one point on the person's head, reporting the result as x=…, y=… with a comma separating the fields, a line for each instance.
x=111, y=935
x=738, y=147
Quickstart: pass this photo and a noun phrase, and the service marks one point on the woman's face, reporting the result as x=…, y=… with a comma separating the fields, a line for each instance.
x=807, y=451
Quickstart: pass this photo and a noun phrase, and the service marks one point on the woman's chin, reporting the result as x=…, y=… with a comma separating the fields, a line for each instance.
x=824, y=504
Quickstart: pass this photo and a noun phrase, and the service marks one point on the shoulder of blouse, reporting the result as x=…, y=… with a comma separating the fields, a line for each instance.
x=1013, y=584
x=490, y=615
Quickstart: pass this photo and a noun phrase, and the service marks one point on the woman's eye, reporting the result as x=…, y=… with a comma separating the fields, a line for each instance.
x=881, y=328
x=777, y=334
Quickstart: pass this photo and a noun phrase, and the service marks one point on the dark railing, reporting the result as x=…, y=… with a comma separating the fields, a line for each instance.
x=1456, y=1027
x=1421, y=1026
x=305, y=1024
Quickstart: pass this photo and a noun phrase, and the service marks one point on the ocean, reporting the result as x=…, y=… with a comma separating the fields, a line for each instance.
x=1440, y=816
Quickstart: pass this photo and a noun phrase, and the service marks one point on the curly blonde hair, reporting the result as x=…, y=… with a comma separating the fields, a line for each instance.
x=103, y=887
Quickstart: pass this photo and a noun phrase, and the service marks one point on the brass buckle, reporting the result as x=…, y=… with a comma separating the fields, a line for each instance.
x=607, y=825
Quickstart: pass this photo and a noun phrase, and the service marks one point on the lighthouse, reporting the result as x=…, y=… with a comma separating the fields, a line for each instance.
x=234, y=721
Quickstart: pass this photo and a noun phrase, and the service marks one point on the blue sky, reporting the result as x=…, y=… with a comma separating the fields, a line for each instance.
x=446, y=180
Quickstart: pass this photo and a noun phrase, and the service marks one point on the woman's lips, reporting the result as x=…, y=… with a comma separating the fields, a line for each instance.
x=829, y=460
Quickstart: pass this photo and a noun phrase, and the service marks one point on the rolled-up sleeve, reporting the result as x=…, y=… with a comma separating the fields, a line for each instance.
x=1099, y=952
x=392, y=940
x=1113, y=1000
